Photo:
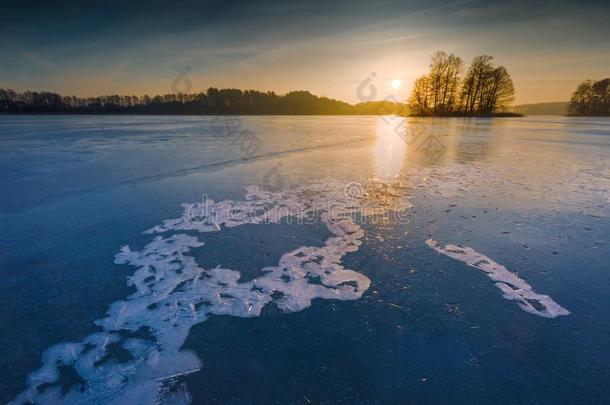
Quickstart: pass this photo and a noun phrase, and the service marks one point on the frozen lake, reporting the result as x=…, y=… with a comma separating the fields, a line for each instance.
x=304, y=259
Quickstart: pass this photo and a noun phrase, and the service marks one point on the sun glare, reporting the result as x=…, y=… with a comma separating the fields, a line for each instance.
x=396, y=84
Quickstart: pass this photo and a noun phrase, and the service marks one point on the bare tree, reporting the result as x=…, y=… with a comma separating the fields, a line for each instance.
x=591, y=98
x=483, y=91
x=419, y=100
x=435, y=93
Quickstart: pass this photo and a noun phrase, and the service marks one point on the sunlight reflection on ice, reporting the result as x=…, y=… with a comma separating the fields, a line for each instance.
x=389, y=150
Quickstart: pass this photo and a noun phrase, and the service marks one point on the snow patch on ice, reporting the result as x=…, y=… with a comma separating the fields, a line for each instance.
x=137, y=356
x=512, y=287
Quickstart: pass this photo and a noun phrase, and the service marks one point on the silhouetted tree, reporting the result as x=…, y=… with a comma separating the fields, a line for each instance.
x=591, y=98
x=484, y=90
x=436, y=93
x=214, y=101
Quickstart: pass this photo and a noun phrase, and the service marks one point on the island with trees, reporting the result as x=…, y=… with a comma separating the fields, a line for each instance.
x=484, y=90
x=591, y=98
x=481, y=90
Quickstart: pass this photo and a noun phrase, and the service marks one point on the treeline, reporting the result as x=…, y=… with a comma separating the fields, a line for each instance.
x=551, y=108
x=213, y=101
x=591, y=98
x=445, y=90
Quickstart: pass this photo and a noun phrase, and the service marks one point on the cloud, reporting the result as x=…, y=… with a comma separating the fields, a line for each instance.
x=273, y=45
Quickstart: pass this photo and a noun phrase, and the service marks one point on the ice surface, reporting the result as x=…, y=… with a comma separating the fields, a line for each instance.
x=546, y=180
x=137, y=355
x=512, y=287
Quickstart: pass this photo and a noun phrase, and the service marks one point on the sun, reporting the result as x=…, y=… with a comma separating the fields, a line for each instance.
x=396, y=84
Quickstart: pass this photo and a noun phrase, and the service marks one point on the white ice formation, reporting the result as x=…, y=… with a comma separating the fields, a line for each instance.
x=136, y=357
x=512, y=287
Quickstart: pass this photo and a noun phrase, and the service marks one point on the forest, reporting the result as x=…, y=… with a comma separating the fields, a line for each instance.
x=449, y=90
x=213, y=101
x=591, y=98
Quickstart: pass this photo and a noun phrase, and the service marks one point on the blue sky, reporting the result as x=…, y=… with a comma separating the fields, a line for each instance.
x=327, y=47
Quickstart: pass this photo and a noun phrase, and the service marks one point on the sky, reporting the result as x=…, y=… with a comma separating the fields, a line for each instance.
x=327, y=47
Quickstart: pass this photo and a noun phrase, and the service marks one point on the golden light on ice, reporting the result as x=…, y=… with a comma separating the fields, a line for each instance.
x=396, y=84
x=389, y=150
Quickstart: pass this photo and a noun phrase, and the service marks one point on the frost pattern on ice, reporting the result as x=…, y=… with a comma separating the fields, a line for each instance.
x=137, y=357
x=512, y=287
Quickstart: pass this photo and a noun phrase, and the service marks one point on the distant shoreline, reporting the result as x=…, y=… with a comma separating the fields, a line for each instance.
x=461, y=115
x=193, y=114
x=497, y=115
x=90, y=113
x=586, y=115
